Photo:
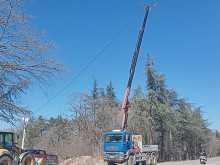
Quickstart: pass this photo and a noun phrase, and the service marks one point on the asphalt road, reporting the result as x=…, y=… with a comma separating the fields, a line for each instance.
x=211, y=161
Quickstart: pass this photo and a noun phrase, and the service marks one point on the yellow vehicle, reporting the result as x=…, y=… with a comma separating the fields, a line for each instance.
x=10, y=154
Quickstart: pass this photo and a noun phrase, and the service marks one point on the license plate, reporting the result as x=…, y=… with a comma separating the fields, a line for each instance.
x=111, y=156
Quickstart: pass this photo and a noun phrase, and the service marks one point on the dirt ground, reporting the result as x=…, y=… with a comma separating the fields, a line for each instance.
x=83, y=160
x=88, y=160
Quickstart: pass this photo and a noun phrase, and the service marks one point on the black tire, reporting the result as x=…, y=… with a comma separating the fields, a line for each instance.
x=28, y=160
x=130, y=160
x=148, y=160
x=5, y=160
x=110, y=163
x=143, y=163
x=154, y=160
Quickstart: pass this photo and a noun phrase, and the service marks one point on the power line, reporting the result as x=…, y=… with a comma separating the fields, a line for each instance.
x=41, y=5
x=100, y=53
x=68, y=22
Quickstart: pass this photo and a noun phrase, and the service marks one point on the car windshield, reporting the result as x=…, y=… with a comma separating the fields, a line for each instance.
x=29, y=151
x=37, y=152
x=113, y=138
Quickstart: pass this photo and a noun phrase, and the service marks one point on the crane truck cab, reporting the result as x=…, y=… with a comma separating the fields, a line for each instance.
x=117, y=146
x=10, y=154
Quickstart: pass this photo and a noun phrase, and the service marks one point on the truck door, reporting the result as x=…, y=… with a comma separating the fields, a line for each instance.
x=127, y=140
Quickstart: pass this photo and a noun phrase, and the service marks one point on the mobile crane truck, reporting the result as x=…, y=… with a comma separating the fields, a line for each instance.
x=120, y=146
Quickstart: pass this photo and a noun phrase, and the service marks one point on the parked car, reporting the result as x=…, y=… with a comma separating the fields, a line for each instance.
x=42, y=158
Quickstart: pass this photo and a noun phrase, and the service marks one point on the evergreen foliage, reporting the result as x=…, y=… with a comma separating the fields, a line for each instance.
x=110, y=94
x=164, y=119
x=95, y=92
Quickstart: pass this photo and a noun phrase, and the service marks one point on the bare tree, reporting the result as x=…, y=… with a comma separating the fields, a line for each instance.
x=81, y=112
x=24, y=60
x=107, y=117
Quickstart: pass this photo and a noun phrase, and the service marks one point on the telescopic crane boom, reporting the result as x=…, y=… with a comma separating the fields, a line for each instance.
x=132, y=68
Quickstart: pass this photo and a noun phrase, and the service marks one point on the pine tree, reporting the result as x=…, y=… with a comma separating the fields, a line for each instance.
x=152, y=103
x=35, y=130
x=138, y=114
x=94, y=100
x=110, y=94
x=159, y=111
x=95, y=92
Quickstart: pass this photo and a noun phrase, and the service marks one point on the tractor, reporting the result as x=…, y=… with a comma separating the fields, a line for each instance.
x=11, y=154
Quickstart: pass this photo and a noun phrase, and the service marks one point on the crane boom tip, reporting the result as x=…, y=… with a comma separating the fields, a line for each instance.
x=149, y=5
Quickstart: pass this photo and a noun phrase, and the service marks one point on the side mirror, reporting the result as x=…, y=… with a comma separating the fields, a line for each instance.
x=127, y=137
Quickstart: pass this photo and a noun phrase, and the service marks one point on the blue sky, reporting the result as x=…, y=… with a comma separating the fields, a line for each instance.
x=183, y=35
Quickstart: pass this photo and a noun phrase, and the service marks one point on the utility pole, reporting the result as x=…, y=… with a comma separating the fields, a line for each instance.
x=25, y=121
x=132, y=68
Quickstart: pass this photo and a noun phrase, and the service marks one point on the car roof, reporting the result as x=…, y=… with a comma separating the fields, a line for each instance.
x=6, y=132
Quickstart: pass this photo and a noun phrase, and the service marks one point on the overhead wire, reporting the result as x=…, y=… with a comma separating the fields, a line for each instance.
x=99, y=54
x=41, y=6
x=68, y=22
x=60, y=32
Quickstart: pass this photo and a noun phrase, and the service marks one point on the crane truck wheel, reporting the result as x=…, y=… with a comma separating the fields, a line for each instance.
x=110, y=163
x=143, y=163
x=28, y=160
x=130, y=160
x=154, y=160
x=5, y=160
x=148, y=159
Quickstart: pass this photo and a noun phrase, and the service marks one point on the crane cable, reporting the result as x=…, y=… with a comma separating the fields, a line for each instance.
x=83, y=70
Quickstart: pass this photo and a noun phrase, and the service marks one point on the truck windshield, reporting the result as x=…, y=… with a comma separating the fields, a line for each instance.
x=113, y=138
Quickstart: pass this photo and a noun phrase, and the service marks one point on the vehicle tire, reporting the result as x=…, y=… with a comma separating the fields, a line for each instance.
x=130, y=160
x=154, y=160
x=5, y=160
x=28, y=160
x=148, y=160
x=110, y=163
x=143, y=163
